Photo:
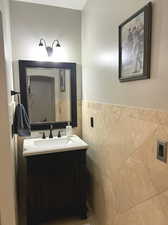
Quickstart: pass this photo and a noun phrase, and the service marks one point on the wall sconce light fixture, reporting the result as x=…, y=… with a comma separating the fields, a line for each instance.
x=49, y=49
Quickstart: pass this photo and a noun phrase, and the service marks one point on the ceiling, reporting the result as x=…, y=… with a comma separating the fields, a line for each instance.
x=72, y=4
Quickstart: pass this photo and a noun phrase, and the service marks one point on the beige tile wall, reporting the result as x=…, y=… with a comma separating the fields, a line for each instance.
x=128, y=185
x=78, y=130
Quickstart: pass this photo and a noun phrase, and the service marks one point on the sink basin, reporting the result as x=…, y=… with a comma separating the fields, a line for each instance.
x=36, y=146
x=53, y=142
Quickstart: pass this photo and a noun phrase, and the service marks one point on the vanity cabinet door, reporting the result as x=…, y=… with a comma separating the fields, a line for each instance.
x=56, y=185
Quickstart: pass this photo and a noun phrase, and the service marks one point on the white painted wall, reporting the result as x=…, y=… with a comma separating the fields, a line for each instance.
x=30, y=22
x=7, y=178
x=100, y=21
x=73, y=4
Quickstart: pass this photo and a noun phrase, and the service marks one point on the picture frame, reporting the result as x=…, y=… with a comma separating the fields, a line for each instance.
x=135, y=46
x=62, y=80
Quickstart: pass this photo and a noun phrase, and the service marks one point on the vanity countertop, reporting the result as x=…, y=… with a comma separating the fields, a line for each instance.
x=39, y=146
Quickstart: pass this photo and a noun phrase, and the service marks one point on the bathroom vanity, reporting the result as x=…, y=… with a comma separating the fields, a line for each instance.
x=52, y=171
x=56, y=178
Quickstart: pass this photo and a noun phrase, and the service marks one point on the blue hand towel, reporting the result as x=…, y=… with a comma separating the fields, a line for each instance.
x=21, y=123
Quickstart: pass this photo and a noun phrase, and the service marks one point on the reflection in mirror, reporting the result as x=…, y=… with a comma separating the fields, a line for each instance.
x=49, y=94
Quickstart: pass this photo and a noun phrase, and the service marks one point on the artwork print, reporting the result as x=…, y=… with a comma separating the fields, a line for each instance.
x=134, y=46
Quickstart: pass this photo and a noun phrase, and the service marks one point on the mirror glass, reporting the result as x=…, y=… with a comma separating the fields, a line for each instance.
x=49, y=94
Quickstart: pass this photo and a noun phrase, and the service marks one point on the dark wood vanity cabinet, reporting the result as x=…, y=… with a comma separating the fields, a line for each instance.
x=56, y=186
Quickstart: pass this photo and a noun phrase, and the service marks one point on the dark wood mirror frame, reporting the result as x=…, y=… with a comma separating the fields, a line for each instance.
x=23, y=65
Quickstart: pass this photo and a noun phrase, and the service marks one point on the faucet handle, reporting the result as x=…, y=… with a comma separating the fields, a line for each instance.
x=44, y=136
x=59, y=134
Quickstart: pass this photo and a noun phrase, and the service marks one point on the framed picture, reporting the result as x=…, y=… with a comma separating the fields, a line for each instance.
x=135, y=46
x=62, y=80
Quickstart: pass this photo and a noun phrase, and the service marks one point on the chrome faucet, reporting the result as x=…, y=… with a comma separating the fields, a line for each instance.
x=51, y=134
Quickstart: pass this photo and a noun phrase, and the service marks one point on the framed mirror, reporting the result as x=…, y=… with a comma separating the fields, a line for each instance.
x=48, y=93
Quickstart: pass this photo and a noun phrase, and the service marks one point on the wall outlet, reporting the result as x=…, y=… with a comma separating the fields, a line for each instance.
x=162, y=151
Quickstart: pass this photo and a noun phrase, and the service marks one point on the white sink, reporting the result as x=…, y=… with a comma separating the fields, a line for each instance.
x=52, y=142
x=36, y=146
